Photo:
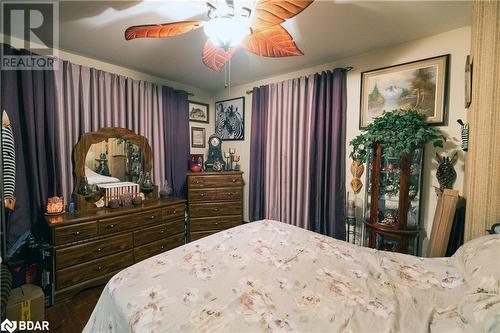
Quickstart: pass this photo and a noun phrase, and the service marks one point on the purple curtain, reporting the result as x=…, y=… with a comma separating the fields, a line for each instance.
x=297, y=170
x=29, y=97
x=328, y=144
x=258, y=143
x=89, y=99
x=176, y=133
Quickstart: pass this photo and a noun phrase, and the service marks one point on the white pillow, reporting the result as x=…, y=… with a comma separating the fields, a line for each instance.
x=480, y=261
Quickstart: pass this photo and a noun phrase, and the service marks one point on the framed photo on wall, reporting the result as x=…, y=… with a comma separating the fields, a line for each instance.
x=230, y=119
x=420, y=85
x=198, y=137
x=198, y=112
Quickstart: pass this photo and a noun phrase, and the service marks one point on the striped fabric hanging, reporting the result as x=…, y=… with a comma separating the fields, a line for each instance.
x=8, y=159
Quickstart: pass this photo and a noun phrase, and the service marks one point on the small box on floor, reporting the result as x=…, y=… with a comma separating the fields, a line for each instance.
x=26, y=303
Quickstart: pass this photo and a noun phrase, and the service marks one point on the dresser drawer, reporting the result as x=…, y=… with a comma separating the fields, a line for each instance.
x=75, y=274
x=159, y=246
x=75, y=233
x=203, y=181
x=147, y=235
x=214, y=209
x=198, y=235
x=116, y=224
x=218, y=194
x=214, y=223
x=92, y=250
x=174, y=212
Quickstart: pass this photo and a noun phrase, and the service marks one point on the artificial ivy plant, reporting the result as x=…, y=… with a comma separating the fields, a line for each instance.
x=401, y=131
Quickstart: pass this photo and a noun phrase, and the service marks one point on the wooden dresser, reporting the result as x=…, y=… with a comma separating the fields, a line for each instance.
x=91, y=246
x=215, y=202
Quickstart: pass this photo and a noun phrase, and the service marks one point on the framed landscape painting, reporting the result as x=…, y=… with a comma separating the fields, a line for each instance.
x=198, y=112
x=419, y=85
x=230, y=119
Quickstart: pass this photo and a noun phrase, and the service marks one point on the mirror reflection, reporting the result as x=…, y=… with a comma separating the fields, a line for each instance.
x=113, y=160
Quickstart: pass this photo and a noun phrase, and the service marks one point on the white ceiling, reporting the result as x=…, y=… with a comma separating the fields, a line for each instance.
x=326, y=31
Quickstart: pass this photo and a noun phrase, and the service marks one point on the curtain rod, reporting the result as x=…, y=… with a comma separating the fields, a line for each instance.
x=347, y=69
x=183, y=91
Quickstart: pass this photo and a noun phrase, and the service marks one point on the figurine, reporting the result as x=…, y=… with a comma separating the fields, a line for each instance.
x=446, y=174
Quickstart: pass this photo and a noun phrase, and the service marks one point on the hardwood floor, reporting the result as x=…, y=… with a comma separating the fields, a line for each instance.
x=71, y=316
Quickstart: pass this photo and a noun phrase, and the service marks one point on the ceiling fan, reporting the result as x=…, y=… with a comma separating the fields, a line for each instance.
x=229, y=26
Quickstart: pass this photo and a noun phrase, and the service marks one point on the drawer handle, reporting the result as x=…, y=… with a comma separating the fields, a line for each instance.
x=196, y=181
x=162, y=231
x=99, y=249
x=153, y=217
x=229, y=193
x=111, y=226
x=175, y=211
x=162, y=247
x=216, y=223
x=77, y=233
x=235, y=180
x=216, y=209
x=99, y=268
x=202, y=195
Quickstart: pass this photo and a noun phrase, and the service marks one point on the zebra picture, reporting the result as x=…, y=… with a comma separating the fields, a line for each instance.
x=230, y=119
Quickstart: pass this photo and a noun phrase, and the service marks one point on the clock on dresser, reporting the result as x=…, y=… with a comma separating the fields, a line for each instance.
x=214, y=153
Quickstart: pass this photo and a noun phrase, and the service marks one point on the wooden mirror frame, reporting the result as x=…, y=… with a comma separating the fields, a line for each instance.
x=83, y=145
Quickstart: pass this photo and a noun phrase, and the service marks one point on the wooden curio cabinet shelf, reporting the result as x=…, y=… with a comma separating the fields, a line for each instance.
x=392, y=218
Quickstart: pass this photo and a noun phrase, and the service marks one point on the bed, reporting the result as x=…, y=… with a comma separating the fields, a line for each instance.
x=269, y=276
x=93, y=178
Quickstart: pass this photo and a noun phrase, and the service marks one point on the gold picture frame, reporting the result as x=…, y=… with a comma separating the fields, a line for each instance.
x=421, y=85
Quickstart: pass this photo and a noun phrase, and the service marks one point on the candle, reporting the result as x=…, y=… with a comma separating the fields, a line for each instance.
x=351, y=209
x=227, y=155
x=232, y=151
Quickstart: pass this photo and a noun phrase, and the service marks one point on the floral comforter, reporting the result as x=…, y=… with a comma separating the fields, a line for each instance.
x=268, y=276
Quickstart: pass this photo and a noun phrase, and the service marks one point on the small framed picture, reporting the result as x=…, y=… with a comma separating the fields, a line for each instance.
x=198, y=112
x=230, y=119
x=195, y=159
x=468, y=81
x=198, y=137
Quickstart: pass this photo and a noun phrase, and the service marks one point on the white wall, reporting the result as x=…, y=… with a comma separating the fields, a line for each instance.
x=455, y=42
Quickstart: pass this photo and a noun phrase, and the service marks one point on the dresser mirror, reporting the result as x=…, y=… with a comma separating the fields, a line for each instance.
x=105, y=158
x=113, y=160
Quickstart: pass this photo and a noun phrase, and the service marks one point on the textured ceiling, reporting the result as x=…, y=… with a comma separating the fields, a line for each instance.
x=326, y=31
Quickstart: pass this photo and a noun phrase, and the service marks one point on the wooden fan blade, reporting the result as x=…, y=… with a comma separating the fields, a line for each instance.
x=272, y=12
x=274, y=41
x=161, y=30
x=216, y=57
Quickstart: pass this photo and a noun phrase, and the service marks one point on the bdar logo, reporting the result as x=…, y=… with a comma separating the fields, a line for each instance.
x=8, y=325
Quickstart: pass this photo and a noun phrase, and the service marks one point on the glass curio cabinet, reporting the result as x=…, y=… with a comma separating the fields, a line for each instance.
x=392, y=211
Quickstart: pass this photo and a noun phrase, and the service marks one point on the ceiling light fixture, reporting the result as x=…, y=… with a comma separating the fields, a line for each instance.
x=227, y=32
x=255, y=25
x=227, y=27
